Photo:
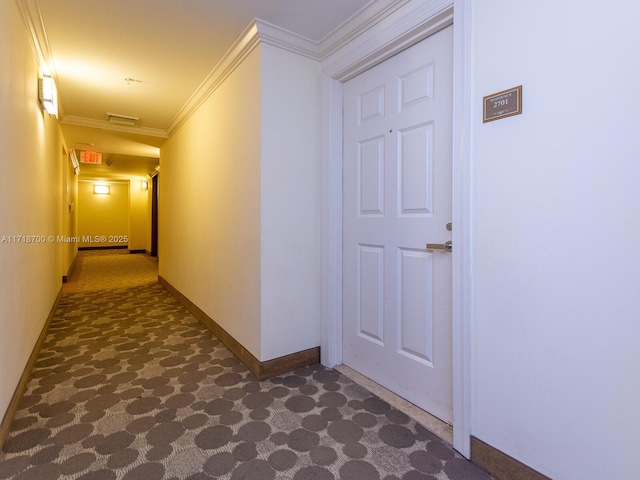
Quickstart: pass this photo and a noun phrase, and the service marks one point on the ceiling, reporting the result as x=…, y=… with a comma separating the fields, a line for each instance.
x=147, y=58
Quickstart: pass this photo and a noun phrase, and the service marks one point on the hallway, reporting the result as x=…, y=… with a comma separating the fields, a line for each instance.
x=129, y=385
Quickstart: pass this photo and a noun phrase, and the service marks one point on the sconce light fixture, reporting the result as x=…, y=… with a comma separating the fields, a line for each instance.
x=101, y=189
x=48, y=94
x=145, y=184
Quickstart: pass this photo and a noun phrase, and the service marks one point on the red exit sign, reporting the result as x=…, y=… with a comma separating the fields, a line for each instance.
x=91, y=157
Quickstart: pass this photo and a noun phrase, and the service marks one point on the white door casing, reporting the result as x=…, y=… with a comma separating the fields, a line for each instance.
x=397, y=196
x=384, y=37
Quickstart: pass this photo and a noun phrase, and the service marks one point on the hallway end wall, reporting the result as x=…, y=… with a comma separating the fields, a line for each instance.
x=30, y=203
x=103, y=218
x=124, y=212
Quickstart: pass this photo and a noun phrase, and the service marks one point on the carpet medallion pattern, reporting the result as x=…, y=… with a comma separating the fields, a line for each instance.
x=130, y=386
x=111, y=269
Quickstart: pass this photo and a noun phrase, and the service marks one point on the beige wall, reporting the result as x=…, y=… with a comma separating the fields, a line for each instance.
x=209, y=214
x=103, y=218
x=240, y=204
x=125, y=212
x=30, y=203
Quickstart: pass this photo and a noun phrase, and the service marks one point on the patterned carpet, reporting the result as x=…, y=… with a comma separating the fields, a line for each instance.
x=109, y=269
x=128, y=385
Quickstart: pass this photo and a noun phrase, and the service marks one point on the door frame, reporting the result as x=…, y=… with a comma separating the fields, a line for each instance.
x=400, y=28
x=154, y=215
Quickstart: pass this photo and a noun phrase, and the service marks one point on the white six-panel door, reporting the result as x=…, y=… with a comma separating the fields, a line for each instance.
x=397, y=197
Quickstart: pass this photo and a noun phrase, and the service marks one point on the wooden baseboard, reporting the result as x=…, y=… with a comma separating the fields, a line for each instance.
x=499, y=464
x=65, y=278
x=261, y=370
x=106, y=247
x=140, y=250
x=5, y=426
x=288, y=363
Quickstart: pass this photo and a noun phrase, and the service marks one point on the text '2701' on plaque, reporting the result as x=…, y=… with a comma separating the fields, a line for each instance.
x=502, y=104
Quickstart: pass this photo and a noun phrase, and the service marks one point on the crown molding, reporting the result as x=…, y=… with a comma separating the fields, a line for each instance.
x=262, y=32
x=359, y=34
x=276, y=36
x=393, y=29
x=105, y=125
x=245, y=44
x=258, y=32
x=35, y=30
x=366, y=18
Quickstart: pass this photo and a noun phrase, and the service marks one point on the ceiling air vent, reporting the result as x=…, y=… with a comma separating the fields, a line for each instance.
x=122, y=119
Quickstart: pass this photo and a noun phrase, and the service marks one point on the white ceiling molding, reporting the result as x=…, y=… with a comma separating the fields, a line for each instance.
x=258, y=32
x=30, y=25
x=364, y=20
x=287, y=40
x=106, y=125
x=360, y=33
x=395, y=29
x=35, y=27
x=234, y=57
x=261, y=31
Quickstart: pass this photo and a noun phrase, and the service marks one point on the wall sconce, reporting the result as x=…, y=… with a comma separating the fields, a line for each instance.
x=145, y=185
x=48, y=94
x=74, y=162
x=101, y=189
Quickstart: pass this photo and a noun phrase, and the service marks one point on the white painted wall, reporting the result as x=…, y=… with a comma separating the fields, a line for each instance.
x=209, y=206
x=556, y=259
x=290, y=203
x=31, y=203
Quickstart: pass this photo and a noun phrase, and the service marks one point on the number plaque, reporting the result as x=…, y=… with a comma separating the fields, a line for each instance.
x=502, y=104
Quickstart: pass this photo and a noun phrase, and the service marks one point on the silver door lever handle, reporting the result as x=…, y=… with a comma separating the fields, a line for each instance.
x=440, y=246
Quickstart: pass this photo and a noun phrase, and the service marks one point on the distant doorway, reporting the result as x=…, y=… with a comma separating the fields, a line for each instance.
x=154, y=215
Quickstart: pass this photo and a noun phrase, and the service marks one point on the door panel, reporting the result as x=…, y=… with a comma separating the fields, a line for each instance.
x=397, y=197
x=371, y=177
x=416, y=165
x=371, y=293
x=415, y=297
